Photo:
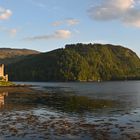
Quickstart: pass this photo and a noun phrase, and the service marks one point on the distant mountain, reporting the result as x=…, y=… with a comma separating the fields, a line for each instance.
x=78, y=62
x=8, y=55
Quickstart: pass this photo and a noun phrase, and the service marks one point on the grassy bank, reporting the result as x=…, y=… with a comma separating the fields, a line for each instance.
x=4, y=83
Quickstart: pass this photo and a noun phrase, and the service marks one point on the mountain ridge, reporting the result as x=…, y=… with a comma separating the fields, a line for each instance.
x=12, y=55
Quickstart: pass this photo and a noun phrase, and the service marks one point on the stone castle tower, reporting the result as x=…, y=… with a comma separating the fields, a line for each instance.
x=2, y=76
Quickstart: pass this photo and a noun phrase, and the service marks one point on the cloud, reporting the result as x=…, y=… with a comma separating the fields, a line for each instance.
x=59, y=34
x=57, y=23
x=69, y=22
x=12, y=32
x=72, y=22
x=5, y=13
x=126, y=11
x=132, y=18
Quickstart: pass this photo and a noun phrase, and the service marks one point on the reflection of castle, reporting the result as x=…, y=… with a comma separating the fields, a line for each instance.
x=2, y=97
x=2, y=76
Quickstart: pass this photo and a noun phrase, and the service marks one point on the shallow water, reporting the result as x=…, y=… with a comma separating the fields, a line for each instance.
x=126, y=93
x=106, y=110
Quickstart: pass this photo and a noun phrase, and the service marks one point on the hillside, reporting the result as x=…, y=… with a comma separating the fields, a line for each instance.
x=79, y=62
x=8, y=55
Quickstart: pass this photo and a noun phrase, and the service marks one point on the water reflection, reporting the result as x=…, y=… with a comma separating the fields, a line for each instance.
x=61, y=102
x=65, y=99
x=2, y=98
x=76, y=104
x=58, y=100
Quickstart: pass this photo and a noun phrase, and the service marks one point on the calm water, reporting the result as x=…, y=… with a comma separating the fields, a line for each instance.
x=71, y=111
x=126, y=93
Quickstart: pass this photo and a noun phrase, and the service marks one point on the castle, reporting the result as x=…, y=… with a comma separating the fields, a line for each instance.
x=2, y=76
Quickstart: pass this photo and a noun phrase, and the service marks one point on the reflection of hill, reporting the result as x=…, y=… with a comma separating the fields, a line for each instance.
x=79, y=104
x=25, y=99
x=66, y=103
x=2, y=98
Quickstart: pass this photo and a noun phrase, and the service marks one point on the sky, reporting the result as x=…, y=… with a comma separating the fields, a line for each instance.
x=45, y=25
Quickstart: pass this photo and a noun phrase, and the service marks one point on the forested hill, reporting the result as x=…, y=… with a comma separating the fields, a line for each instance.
x=10, y=55
x=79, y=62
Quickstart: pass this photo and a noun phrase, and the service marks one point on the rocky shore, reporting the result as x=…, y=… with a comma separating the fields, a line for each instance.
x=47, y=125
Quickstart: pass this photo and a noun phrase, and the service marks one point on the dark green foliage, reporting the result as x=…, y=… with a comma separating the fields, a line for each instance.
x=79, y=62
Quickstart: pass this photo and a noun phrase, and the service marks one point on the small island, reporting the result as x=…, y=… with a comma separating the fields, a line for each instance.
x=4, y=77
x=4, y=82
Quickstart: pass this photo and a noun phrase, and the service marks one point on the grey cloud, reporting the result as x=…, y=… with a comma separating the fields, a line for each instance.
x=126, y=11
x=59, y=34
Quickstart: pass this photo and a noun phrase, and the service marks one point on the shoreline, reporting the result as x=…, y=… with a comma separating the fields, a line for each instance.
x=76, y=81
x=16, y=86
x=20, y=89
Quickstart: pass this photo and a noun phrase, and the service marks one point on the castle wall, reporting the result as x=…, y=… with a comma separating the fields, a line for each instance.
x=4, y=77
x=2, y=70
